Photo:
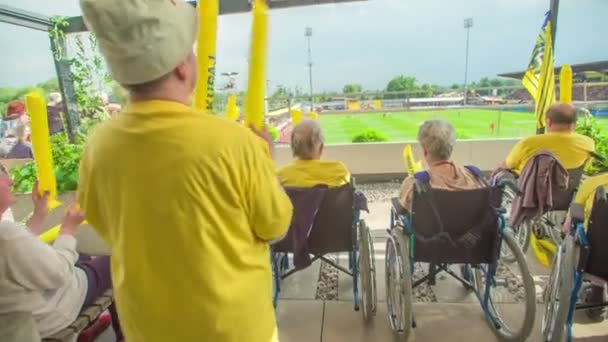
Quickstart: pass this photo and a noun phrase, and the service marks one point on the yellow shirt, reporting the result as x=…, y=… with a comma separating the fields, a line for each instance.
x=586, y=192
x=571, y=149
x=186, y=202
x=308, y=173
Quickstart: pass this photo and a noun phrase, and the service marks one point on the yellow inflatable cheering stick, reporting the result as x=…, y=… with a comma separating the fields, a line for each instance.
x=36, y=108
x=296, y=116
x=543, y=249
x=313, y=115
x=565, y=84
x=43, y=157
x=232, y=110
x=411, y=165
x=205, y=54
x=254, y=103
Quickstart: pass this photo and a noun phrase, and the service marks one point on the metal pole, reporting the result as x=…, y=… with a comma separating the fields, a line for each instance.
x=66, y=85
x=468, y=23
x=266, y=99
x=309, y=35
x=554, y=13
x=585, y=93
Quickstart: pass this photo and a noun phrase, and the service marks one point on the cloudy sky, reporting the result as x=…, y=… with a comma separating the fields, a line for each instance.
x=364, y=42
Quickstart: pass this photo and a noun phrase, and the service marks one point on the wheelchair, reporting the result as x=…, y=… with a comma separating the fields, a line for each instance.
x=548, y=224
x=581, y=256
x=468, y=228
x=336, y=227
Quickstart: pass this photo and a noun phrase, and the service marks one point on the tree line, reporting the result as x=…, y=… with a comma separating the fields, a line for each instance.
x=8, y=94
x=404, y=83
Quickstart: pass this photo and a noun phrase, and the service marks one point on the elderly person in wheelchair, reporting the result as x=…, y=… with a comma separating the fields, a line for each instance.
x=437, y=139
x=450, y=215
x=559, y=155
x=308, y=169
x=326, y=217
x=585, y=198
x=580, y=258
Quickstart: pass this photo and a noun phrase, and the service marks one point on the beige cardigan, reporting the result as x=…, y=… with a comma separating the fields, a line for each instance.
x=40, y=279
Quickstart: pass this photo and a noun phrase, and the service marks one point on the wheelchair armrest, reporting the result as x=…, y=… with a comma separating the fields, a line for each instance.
x=399, y=209
x=577, y=212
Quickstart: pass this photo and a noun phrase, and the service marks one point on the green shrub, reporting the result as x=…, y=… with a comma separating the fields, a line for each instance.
x=594, y=131
x=274, y=132
x=369, y=135
x=23, y=177
x=66, y=161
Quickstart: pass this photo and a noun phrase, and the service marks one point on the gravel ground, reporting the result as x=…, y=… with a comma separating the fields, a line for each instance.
x=423, y=292
x=327, y=286
x=380, y=192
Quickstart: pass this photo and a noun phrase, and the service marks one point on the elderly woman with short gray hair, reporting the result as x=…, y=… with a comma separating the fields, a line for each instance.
x=437, y=139
x=308, y=169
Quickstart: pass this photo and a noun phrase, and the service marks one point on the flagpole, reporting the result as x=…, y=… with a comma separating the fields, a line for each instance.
x=554, y=13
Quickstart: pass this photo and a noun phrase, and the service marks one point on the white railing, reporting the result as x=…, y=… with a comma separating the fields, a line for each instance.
x=386, y=158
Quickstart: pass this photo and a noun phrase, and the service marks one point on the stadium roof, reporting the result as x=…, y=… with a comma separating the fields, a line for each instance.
x=36, y=21
x=601, y=66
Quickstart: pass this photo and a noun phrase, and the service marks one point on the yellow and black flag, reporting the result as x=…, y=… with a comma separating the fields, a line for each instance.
x=539, y=78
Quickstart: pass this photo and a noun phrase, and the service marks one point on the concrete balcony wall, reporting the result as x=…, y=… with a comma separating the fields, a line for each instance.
x=376, y=159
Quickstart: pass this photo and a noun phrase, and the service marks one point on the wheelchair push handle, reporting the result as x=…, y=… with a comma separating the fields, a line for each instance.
x=577, y=212
x=508, y=183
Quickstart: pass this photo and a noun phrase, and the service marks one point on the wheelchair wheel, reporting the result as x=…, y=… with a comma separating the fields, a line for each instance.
x=522, y=233
x=557, y=293
x=276, y=261
x=511, y=300
x=522, y=236
x=398, y=284
x=553, y=223
x=368, y=272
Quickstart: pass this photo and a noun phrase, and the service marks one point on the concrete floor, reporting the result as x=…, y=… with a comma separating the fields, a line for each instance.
x=456, y=316
x=335, y=321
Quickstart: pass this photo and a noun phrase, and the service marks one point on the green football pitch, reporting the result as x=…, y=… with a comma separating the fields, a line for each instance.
x=403, y=126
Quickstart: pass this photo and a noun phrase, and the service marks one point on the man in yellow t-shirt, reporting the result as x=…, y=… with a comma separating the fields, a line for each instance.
x=308, y=169
x=570, y=148
x=585, y=197
x=186, y=201
x=586, y=192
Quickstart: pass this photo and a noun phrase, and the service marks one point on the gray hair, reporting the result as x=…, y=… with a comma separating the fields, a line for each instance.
x=54, y=98
x=437, y=137
x=306, y=139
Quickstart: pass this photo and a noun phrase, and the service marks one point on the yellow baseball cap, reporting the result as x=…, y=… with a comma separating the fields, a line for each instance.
x=141, y=40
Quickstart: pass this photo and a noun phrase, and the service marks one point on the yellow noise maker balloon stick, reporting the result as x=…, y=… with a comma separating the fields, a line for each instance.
x=543, y=250
x=411, y=165
x=232, y=110
x=205, y=54
x=565, y=84
x=296, y=116
x=313, y=115
x=36, y=108
x=254, y=103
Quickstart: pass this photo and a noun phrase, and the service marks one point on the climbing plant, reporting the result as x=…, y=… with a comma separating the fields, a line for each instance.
x=593, y=130
x=90, y=78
